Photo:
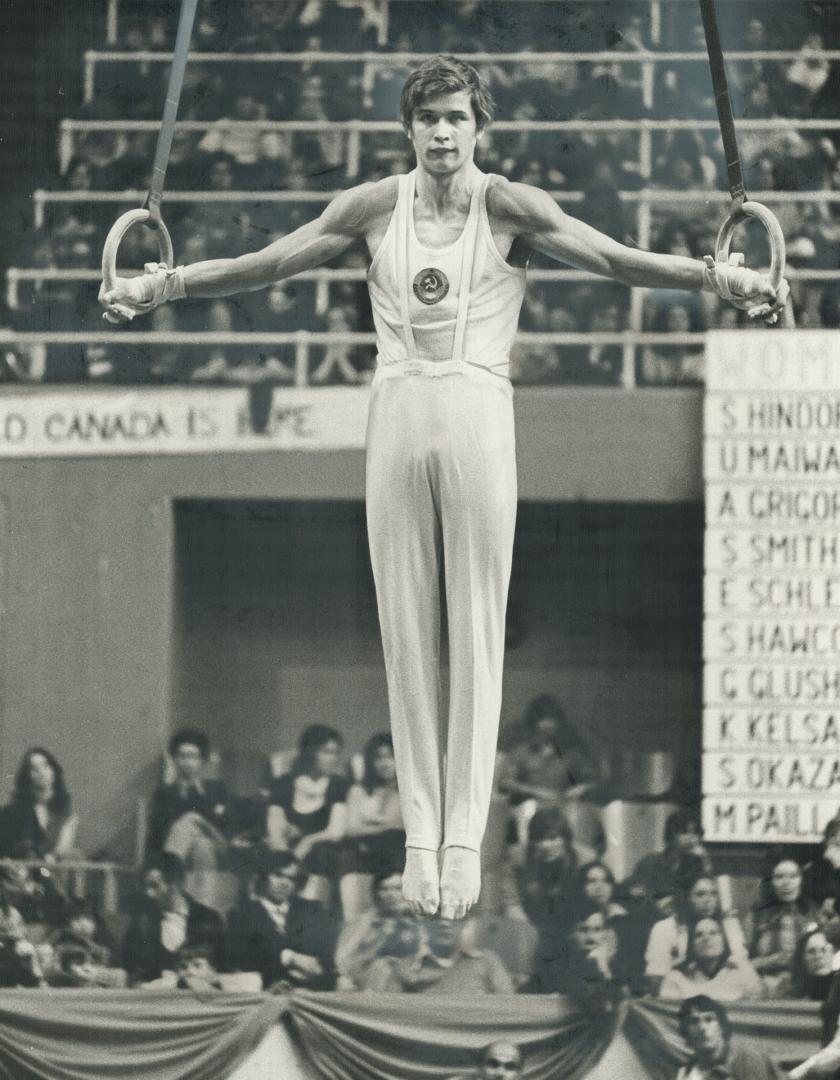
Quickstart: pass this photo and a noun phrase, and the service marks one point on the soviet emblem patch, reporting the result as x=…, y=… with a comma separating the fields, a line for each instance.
x=431, y=285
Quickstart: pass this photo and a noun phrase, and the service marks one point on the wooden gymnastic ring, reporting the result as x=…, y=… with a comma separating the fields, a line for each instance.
x=116, y=234
x=774, y=234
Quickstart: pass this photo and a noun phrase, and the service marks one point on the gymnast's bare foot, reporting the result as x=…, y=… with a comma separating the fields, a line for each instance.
x=460, y=881
x=421, y=881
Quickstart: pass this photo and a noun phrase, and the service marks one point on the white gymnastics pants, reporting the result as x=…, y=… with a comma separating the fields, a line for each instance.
x=441, y=492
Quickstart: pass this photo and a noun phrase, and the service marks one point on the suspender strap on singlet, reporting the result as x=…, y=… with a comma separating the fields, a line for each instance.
x=404, y=215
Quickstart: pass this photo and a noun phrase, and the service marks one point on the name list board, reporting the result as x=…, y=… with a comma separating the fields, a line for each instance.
x=771, y=636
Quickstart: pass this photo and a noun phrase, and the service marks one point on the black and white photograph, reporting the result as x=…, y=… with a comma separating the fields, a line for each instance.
x=420, y=540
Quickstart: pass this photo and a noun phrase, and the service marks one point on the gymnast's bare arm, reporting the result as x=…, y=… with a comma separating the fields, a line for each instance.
x=352, y=216
x=532, y=215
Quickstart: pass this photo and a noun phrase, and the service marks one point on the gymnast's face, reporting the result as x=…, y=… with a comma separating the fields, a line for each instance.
x=444, y=133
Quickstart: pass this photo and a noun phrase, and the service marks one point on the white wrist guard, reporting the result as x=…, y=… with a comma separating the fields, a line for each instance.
x=728, y=279
x=159, y=284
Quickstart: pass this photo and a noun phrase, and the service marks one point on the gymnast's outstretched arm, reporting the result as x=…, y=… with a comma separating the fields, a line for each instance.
x=344, y=222
x=534, y=216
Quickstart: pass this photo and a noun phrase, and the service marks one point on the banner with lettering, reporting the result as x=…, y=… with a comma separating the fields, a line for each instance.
x=771, y=641
x=179, y=420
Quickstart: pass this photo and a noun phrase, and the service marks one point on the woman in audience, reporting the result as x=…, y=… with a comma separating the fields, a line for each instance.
x=307, y=810
x=779, y=920
x=697, y=898
x=626, y=930
x=39, y=822
x=374, y=829
x=710, y=968
x=812, y=968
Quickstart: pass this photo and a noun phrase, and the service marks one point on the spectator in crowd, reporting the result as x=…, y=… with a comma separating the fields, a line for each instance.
x=36, y=894
x=39, y=822
x=821, y=877
x=307, y=810
x=627, y=930
x=657, y=874
x=281, y=934
x=163, y=919
x=20, y=964
x=779, y=920
x=338, y=356
x=710, y=968
x=551, y=762
x=666, y=365
x=375, y=832
x=575, y=954
x=77, y=969
x=697, y=898
x=806, y=77
x=500, y=1060
x=812, y=968
x=446, y=962
x=362, y=938
x=188, y=816
x=253, y=153
x=83, y=929
x=546, y=880
x=706, y=1028
x=196, y=969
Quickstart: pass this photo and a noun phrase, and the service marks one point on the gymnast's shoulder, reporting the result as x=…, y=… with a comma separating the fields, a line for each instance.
x=359, y=208
x=521, y=206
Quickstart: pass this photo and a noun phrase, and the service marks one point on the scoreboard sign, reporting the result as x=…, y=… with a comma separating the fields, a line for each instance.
x=771, y=636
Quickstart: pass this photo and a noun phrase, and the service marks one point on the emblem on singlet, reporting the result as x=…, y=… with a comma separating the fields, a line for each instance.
x=431, y=285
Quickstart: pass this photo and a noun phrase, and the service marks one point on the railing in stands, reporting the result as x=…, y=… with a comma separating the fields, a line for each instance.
x=648, y=59
x=355, y=129
x=303, y=341
x=77, y=874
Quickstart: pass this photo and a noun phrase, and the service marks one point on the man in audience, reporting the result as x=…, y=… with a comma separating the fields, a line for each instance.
x=445, y=963
x=186, y=816
x=499, y=1061
x=165, y=919
x=657, y=874
x=705, y=1026
x=361, y=941
x=282, y=935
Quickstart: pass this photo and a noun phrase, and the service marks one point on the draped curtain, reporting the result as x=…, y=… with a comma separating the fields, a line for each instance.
x=170, y=1035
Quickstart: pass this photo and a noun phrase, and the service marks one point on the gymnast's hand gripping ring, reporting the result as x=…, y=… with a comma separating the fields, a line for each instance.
x=115, y=236
x=742, y=210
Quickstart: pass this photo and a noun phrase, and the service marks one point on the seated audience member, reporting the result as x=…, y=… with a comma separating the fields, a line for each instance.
x=710, y=968
x=812, y=968
x=39, y=822
x=281, y=934
x=546, y=880
x=438, y=959
x=705, y=1027
x=196, y=969
x=164, y=919
x=83, y=929
x=550, y=764
x=77, y=969
x=187, y=815
x=35, y=893
x=655, y=876
x=697, y=898
x=779, y=920
x=627, y=931
x=375, y=832
x=821, y=877
x=500, y=1060
x=362, y=939
x=575, y=955
x=307, y=806
x=20, y=963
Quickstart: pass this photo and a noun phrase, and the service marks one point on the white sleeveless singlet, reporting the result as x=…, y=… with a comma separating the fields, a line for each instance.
x=457, y=303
